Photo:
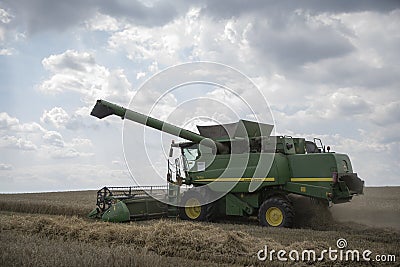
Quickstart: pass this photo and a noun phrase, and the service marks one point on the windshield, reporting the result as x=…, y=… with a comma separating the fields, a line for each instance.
x=190, y=154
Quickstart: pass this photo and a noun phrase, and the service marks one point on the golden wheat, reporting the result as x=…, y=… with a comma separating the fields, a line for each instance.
x=43, y=239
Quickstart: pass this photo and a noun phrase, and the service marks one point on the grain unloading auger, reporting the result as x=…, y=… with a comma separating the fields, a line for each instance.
x=225, y=161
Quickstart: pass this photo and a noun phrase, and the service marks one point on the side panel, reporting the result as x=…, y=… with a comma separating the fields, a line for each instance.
x=230, y=173
x=312, y=175
x=319, y=165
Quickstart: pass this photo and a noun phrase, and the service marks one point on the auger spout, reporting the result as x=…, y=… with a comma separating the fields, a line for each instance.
x=104, y=108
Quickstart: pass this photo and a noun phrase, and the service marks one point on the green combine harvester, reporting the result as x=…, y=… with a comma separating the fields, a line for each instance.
x=235, y=169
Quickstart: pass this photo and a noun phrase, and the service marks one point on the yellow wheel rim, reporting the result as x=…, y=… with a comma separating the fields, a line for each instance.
x=193, y=208
x=274, y=216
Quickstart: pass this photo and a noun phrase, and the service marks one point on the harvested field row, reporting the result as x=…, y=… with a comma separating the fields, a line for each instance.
x=38, y=238
x=35, y=250
x=215, y=243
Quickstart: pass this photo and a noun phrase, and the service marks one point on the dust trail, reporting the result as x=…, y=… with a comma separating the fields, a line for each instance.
x=311, y=214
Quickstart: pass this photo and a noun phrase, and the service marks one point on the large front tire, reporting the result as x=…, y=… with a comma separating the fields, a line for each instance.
x=194, y=209
x=276, y=212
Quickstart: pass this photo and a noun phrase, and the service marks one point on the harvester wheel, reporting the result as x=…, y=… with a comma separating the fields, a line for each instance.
x=193, y=210
x=276, y=212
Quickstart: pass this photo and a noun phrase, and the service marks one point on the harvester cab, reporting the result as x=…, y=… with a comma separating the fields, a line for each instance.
x=235, y=169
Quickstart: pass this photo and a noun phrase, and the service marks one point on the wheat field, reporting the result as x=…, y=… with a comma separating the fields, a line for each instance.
x=48, y=229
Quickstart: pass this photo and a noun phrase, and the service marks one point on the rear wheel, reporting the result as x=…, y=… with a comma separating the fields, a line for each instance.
x=192, y=208
x=276, y=212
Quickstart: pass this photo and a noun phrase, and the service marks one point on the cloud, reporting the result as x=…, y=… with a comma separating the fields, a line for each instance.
x=8, y=122
x=5, y=18
x=102, y=22
x=71, y=60
x=270, y=8
x=68, y=153
x=327, y=69
x=345, y=103
x=81, y=142
x=57, y=116
x=45, y=15
x=297, y=43
x=6, y=51
x=162, y=44
x=5, y=167
x=53, y=138
x=372, y=64
x=14, y=142
x=78, y=72
x=16, y=135
x=60, y=119
x=387, y=114
x=57, y=148
x=46, y=143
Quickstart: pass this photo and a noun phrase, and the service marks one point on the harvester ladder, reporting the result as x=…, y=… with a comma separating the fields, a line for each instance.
x=173, y=199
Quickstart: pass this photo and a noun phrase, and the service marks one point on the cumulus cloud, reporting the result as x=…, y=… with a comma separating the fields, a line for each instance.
x=5, y=18
x=5, y=167
x=68, y=153
x=8, y=122
x=228, y=8
x=102, y=22
x=161, y=44
x=57, y=148
x=57, y=116
x=372, y=63
x=327, y=69
x=60, y=119
x=45, y=143
x=7, y=35
x=44, y=15
x=53, y=138
x=14, y=142
x=78, y=72
x=349, y=104
x=6, y=51
x=17, y=135
x=387, y=114
x=297, y=44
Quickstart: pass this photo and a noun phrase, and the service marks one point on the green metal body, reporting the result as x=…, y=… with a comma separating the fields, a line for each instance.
x=294, y=168
x=118, y=212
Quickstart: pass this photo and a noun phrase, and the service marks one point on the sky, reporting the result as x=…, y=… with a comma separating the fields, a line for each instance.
x=328, y=69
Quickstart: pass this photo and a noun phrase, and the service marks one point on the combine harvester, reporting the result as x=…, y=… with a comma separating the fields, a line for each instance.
x=219, y=165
